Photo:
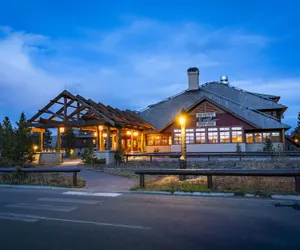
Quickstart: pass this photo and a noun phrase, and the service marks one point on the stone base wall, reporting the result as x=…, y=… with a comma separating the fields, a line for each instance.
x=108, y=155
x=48, y=157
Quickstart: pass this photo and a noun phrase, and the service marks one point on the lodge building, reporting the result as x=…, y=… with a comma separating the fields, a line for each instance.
x=219, y=116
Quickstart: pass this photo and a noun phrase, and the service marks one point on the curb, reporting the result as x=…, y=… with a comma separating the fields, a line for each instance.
x=32, y=187
x=217, y=194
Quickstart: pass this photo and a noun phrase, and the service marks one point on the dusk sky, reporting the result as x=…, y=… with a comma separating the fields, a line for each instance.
x=130, y=54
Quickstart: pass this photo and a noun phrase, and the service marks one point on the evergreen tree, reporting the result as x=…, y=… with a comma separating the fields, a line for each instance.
x=68, y=140
x=268, y=145
x=47, y=138
x=297, y=129
x=1, y=139
x=23, y=151
x=8, y=141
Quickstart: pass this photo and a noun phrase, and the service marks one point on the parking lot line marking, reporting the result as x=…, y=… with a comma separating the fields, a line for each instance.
x=25, y=216
x=41, y=207
x=92, y=194
x=67, y=200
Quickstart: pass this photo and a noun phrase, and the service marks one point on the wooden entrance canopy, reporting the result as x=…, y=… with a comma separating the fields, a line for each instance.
x=68, y=110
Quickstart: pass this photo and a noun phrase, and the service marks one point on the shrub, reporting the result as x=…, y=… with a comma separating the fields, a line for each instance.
x=268, y=145
x=156, y=150
x=238, y=147
x=89, y=157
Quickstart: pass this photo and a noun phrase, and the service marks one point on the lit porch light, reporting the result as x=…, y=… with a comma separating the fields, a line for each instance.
x=62, y=130
x=135, y=133
x=35, y=147
x=296, y=140
x=100, y=128
x=128, y=132
x=95, y=134
x=104, y=135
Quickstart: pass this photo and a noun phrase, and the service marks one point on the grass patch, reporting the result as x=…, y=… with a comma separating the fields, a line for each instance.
x=172, y=184
x=45, y=179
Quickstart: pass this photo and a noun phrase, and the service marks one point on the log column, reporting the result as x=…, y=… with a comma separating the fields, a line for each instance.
x=283, y=139
x=58, y=140
x=142, y=142
x=97, y=138
x=108, y=138
x=41, y=141
x=119, y=146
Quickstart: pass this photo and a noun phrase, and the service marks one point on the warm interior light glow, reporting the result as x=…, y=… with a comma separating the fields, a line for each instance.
x=128, y=132
x=182, y=120
x=62, y=130
x=104, y=135
x=95, y=134
x=296, y=140
x=135, y=133
x=100, y=128
x=35, y=147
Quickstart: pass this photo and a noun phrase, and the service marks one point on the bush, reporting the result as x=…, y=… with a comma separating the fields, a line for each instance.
x=238, y=148
x=119, y=156
x=268, y=145
x=89, y=157
x=156, y=150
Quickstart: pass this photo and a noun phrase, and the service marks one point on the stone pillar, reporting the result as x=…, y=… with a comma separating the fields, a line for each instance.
x=119, y=145
x=58, y=140
x=108, y=138
x=41, y=141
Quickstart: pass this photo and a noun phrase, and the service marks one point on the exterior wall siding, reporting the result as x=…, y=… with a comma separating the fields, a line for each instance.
x=259, y=147
x=150, y=149
x=220, y=147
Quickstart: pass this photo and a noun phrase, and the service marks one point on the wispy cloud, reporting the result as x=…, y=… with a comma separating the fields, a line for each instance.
x=132, y=66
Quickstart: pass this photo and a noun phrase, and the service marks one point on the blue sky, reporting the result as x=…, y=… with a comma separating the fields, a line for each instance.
x=130, y=54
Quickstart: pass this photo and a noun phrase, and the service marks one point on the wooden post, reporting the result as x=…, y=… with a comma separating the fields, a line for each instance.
x=142, y=180
x=142, y=142
x=119, y=145
x=78, y=109
x=131, y=139
x=108, y=138
x=209, y=182
x=97, y=138
x=41, y=141
x=74, y=179
x=65, y=109
x=283, y=139
x=58, y=140
x=297, y=184
x=150, y=158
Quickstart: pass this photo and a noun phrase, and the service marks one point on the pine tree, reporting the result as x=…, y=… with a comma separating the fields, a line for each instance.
x=268, y=145
x=47, y=138
x=68, y=140
x=297, y=129
x=23, y=151
x=8, y=141
x=1, y=139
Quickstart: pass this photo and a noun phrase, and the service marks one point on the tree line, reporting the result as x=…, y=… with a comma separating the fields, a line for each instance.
x=17, y=143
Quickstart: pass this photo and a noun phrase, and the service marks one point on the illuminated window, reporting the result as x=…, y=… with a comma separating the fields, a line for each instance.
x=189, y=138
x=200, y=138
x=177, y=137
x=170, y=140
x=257, y=137
x=236, y=128
x=200, y=129
x=212, y=129
x=224, y=137
x=275, y=137
x=213, y=137
x=236, y=136
x=150, y=140
x=157, y=140
x=249, y=138
x=224, y=129
x=94, y=141
x=164, y=140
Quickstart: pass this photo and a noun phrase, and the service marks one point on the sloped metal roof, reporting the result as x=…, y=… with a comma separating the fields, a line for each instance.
x=240, y=103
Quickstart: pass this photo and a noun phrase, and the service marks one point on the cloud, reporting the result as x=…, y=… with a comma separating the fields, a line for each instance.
x=139, y=63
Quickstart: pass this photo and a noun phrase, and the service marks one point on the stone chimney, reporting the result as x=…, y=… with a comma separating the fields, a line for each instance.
x=193, y=78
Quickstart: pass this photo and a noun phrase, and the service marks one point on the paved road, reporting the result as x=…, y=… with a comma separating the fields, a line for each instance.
x=51, y=219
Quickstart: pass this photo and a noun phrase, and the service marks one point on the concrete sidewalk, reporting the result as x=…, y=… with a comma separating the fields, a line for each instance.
x=102, y=182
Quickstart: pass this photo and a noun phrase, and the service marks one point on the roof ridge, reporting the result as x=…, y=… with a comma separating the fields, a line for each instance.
x=254, y=110
x=242, y=90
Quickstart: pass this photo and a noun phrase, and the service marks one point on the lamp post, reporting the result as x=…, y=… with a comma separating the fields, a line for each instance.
x=182, y=159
